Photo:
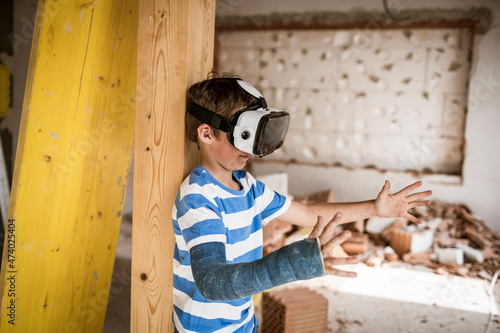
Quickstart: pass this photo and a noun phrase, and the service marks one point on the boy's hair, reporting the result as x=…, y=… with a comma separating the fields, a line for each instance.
x=219, y=95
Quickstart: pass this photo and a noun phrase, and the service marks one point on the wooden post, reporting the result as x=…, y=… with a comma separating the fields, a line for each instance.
x=175, y=49
x=72, y=164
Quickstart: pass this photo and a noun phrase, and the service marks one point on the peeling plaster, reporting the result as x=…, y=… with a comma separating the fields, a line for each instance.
x=396, y=102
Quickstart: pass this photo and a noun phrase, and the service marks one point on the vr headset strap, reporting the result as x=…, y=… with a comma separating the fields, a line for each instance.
x=208, y=117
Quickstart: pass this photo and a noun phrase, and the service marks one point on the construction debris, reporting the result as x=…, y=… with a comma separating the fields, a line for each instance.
x=451, y=256
x=421, y=240
x=277, y=182
x=452, y=239
x=276, y=231
x=462, y=243
x=396, y=225
x=423, y=258
x=400, y=241
x=376, y=225
x=357, y=244
x=390, y=254
x=376, y=259
x=471, y=254
x=274, y=235
x=294, y=311
x=319, y=197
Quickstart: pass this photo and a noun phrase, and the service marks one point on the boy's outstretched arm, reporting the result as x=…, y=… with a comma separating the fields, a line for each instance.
x=218, y=281
x=385, y=205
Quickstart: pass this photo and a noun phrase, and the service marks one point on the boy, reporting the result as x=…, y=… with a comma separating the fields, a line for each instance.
x=220, y=209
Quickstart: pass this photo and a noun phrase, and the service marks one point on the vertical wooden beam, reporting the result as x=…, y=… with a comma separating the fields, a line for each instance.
x=175, y=49
x=72, y=164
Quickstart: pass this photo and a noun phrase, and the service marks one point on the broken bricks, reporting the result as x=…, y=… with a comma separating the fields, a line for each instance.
x=469, y=245
x=275, y=232
x=294, y=310
x=357, y=244
x=274, y=235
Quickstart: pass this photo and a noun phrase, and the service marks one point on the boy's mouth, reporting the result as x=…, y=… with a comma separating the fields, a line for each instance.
x=245, y=156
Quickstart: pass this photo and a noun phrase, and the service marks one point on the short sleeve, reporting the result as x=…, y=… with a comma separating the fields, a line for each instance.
x=272, y=203
x=200, y=221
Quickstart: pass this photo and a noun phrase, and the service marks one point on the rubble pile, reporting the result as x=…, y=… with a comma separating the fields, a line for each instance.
x=274, y=234
x=451, y=240
x=461, y=226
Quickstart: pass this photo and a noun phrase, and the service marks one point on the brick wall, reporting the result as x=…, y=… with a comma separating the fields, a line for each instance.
x=391, y=99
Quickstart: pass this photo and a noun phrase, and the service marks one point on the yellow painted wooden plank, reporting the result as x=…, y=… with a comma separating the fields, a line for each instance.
x=72, y=164
x=175, y=46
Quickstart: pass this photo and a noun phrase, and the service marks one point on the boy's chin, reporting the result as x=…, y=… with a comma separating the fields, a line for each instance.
x=242, y=162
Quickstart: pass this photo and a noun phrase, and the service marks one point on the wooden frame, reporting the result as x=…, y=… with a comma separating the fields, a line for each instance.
x=175, y=49
x=72, y=164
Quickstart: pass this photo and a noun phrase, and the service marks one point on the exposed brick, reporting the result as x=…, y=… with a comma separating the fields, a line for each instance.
x=297, y=310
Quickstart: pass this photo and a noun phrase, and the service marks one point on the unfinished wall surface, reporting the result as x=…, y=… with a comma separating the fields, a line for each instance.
x=480, y=179
x=361, y=99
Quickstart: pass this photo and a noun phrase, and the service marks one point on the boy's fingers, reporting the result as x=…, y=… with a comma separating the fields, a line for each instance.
x=419, y=203
x=386, y=187
x=338, y=272
x=412, y=218
x=336, y=218
x=334, y=261
x=410, y=188
x=328, y=231
x=327, y=248
x=318, y=228
x=419, y=195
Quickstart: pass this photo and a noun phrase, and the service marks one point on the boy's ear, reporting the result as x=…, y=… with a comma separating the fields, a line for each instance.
x=205, y=134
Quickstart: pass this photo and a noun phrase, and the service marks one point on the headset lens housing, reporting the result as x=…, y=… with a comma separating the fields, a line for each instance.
x=271, y=133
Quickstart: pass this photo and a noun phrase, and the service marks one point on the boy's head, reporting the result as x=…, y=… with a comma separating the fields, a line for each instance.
x=220, y=95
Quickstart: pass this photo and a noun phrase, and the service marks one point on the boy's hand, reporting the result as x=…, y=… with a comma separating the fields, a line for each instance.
x=328, y=242
x=398, y=204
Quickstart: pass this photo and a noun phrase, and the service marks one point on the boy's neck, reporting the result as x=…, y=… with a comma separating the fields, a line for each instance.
x=223, y=176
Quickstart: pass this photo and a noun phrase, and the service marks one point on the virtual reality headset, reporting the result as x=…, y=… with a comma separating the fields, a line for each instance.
x=257, y=130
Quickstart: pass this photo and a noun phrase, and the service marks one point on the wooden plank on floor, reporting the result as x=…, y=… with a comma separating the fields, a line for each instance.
x=73, y=160
x=175, y=49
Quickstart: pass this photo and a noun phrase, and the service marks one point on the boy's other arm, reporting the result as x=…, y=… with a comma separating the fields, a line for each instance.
x=385, y=205
x=218, y=281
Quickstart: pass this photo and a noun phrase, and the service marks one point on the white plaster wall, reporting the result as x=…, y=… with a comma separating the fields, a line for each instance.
x=480, y=188
x=392, y=99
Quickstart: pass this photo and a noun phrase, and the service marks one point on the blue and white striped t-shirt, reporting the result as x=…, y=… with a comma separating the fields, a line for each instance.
x=207, y=211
